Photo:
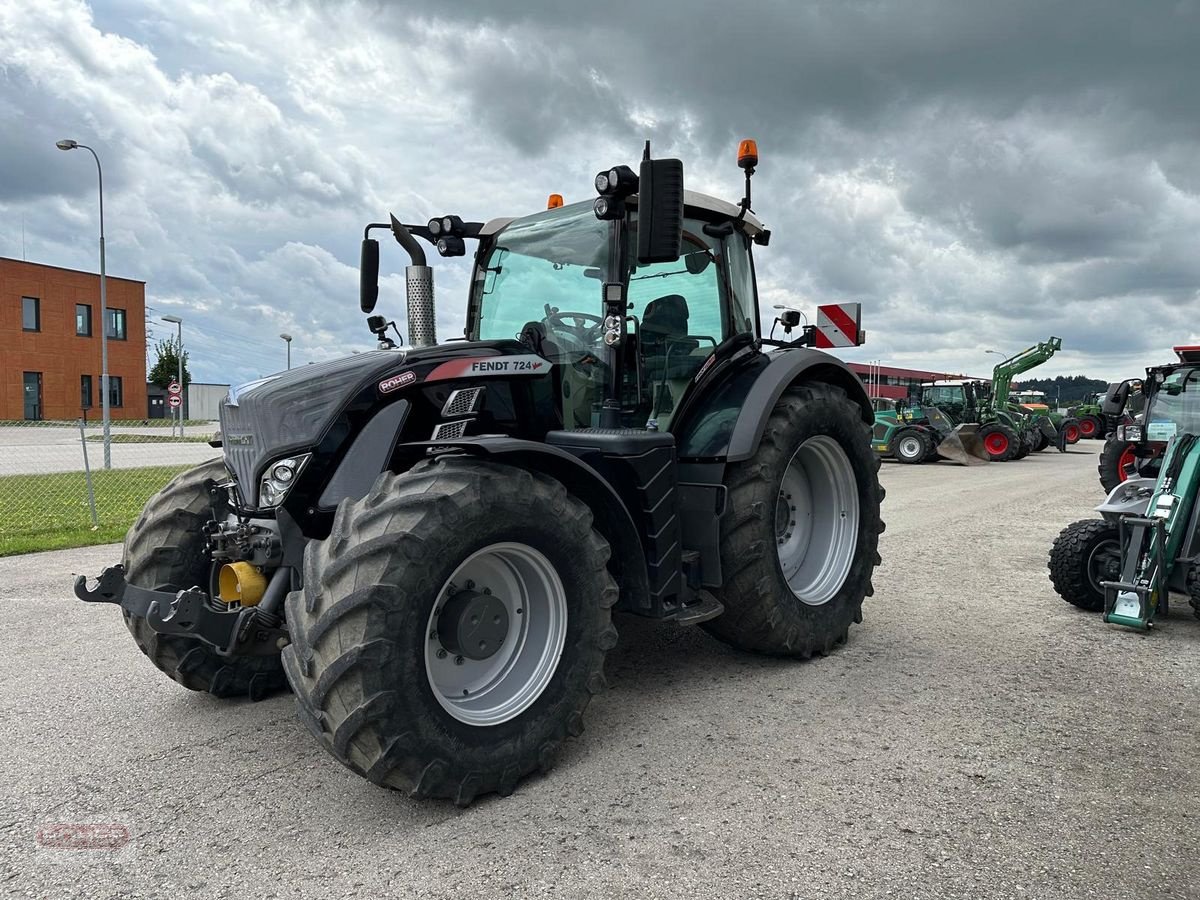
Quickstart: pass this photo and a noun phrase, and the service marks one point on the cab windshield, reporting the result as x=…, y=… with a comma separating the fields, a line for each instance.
x=552, y=261
x=1176, y=406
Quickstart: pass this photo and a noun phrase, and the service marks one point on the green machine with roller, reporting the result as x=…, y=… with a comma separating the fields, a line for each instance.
x=1148, y=542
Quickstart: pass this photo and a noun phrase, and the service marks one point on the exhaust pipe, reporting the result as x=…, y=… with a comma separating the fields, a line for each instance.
x=418, y=285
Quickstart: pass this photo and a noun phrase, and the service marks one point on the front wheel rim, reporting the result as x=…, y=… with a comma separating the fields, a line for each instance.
x=996, y=444
x=503, y=685
x=1100, y=564
x=910, y=448
x=816, y=520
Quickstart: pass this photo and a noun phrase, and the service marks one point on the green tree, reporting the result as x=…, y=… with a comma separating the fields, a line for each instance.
x=166, y=367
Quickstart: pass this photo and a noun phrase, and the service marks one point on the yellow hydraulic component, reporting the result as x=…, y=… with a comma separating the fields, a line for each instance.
x=240, y=582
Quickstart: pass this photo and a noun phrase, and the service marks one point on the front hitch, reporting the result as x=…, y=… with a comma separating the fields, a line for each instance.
x=246, y=631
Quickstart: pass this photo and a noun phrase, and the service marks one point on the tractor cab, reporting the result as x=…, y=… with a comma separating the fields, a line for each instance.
x=537, y=280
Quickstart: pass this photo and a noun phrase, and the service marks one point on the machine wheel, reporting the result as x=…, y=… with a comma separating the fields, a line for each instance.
x=1117, y=463
x=1193, y=583
x=1084, y=554
x=800, y=539
x=1091, y=427
x=164, y=551
x=452, y=628
x=999, y=441
x=1040, y=442
x=912, y=446
x=1071, y=432
x=1024, y=446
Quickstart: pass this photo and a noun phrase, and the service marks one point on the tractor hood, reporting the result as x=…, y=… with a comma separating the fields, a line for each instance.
x=289, y=411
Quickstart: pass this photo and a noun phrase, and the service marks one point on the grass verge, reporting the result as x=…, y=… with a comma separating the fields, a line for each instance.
x=50, y=512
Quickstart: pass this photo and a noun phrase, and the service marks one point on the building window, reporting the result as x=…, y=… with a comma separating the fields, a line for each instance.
x=85, y=391
x=116, y=397
x=31, y=314
x=116, y=324
x=83, y=319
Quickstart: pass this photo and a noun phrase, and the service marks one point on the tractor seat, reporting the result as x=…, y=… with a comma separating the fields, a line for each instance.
x=665, y=343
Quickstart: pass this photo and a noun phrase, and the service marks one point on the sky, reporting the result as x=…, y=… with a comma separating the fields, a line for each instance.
x=978, y=175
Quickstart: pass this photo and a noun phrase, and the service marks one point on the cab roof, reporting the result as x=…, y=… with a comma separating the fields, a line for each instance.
x=692, y=200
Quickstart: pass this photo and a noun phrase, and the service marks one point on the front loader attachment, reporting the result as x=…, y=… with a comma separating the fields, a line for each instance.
x=963, y=446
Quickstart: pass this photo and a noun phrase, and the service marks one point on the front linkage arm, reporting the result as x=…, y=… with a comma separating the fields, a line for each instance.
x=248, y=631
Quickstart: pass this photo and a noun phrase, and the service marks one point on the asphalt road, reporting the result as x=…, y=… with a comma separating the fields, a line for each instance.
x=38, y=449
x=976, y=738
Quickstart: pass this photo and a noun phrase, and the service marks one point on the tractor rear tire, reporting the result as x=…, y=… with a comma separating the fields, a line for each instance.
x=1117, y=463
x=1091, y=427
x=376, y=665
x=1070, y=431
x=912, y=446
x=1040, y=442
x=800, y=538
x=164, y=551
x=1024, y=446
x=999, y=441
x=1082, y=556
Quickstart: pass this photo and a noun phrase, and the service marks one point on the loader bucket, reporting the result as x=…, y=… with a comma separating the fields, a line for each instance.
x=963, y=446
x=1047, y=428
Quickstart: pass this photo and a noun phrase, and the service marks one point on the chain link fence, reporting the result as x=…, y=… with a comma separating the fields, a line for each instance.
x=56, y=490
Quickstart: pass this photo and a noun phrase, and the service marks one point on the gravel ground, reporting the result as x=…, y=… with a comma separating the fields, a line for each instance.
x=977, y=738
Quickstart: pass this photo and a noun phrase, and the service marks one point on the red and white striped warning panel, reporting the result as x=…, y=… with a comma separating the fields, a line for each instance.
x=838, y=325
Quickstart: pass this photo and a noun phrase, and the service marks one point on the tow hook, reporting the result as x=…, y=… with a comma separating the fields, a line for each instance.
x=245, y=631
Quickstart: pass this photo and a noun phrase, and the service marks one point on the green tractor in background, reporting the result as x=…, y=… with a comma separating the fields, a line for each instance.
x=910, y=432
x=1090, y=417
x=1035, y=403
x=1001, y=433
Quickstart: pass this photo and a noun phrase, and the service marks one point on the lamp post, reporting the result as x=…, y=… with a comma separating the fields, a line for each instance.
x=175, y=320
x=287, y=337
x=66, y=144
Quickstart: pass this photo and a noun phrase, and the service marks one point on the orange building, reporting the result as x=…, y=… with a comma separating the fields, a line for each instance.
x=50, y=343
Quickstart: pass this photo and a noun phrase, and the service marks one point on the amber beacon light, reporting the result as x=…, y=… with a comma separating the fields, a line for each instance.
x=747, y=154
x=554, y=201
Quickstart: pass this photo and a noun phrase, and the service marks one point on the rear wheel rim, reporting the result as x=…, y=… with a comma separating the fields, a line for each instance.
x=500, y=687
x=1072, y=434
x=816, y=520
x=996, y=443
x=1087, y=427
x=909, y=447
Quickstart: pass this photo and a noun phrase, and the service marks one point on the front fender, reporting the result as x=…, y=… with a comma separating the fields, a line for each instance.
x=609, y=514
x=730, y=422
x=1129, y=498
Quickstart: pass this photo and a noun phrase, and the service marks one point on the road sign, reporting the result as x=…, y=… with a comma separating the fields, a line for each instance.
x=839, y=325
x=174, y=388
x=175, y=400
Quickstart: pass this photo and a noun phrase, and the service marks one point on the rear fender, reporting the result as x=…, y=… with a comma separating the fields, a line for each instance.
x=609, y=515
x=729, y=422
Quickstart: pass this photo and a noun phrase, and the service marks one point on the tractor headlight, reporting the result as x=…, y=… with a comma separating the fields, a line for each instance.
x=434, y=226
x=278, y=480
x=602, y=183
x=1132, y=433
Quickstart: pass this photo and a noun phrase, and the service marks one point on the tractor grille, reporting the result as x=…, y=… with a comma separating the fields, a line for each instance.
x=461, y=402
x=450, y=431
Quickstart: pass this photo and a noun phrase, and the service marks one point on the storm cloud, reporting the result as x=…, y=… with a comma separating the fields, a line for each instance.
x=978, y=175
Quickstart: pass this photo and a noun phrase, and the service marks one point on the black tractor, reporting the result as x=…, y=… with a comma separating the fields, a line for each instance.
x=427, y=543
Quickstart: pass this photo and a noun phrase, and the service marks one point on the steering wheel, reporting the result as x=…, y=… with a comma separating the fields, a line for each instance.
x=584, y=326
x=582, y=334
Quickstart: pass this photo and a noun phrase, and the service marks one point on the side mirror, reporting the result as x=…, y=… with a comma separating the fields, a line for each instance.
x=1115, y=398
x=368, y=275
x=660, y=210
x=697, y=262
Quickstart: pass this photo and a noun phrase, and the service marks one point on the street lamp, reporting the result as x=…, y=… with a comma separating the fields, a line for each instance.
x=104, y=406
x=175, y=320
x=287, y=337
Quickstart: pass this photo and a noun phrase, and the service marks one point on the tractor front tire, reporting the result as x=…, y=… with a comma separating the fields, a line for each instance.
x=452, y=628
x=164, y=551
x=1117, y=463
x=912, y=446
x=800, y=538
x=1000, y=442
x=1082, y=556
